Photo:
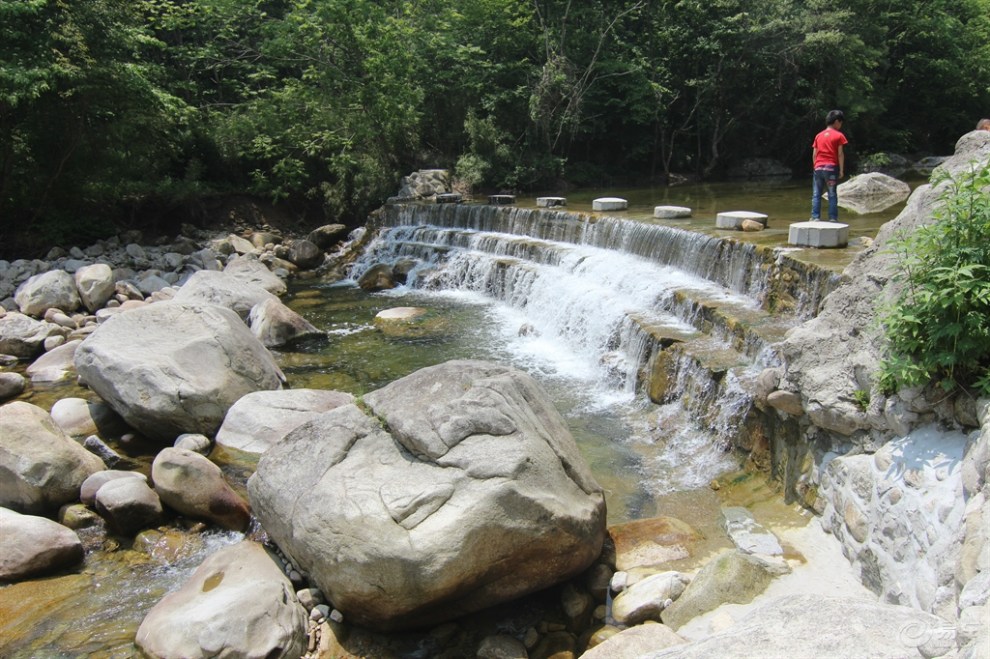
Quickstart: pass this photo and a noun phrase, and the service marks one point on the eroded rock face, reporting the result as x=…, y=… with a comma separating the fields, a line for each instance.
x=170, y=368
x=236, y=604
x=475, y=494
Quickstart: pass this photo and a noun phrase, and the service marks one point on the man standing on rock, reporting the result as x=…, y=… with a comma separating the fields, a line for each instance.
x=829, y=161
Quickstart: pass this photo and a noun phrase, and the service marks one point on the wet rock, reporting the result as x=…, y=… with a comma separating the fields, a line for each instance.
x=224, y=290
x=646, y=599
x=95, y=285
x=11, y=385
x=23, y=336
x=732, y=576
x=55, y=365
x=41, y=467
x=31, y=546
x=253, y=271
x=476, y=475
x=261, y=419
x=170, y=368
x=747, y=534
x=501, y=646
x=79, y=417
x=190, y=484
x=787, y=402
x=236, y=604
x=77, y=516
x=635, y=642
x=53, y=289
x=326, y=235
x=653, y=541
x=129, y=505
x=275, y=324
x=305, y=254
x=378, y=277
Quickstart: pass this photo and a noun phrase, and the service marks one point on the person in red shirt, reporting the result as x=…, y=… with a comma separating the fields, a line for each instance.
x=829, y=163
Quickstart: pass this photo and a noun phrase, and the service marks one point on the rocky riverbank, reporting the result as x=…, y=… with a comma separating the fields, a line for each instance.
x=388, y=513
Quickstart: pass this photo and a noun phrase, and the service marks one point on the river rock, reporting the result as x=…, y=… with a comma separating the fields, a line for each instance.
x=56, y=364
x=747, y=534
x=732, y=576
x=253, y=271
x=23, y=336
x=129, y=505
x=651, y=542
x=79, y=417
x=646, y=599
x=190, y=484
x=223, y=290
x=262, y=418
x=464, y=489
x=41, y=468
x=326, y=235
x=872, y=192
x=824, y=626
x=634, y=642
x=236, y=604
x=92, y=484
x=31, y=546
x=275, y=324
x=95, y=285
x=11, y=385
x=305, y=254
x=170, y=368
x=195, y=442
x=501, y=646
x=378, y=277
x=55, y=289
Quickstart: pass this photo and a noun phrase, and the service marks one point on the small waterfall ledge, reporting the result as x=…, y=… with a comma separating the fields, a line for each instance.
x=682, y=319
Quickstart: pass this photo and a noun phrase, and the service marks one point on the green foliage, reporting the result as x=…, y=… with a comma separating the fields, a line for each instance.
x=938, y=327
x=862, y=398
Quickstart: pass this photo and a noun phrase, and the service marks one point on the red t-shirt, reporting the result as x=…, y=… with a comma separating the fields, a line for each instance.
x=827, y=143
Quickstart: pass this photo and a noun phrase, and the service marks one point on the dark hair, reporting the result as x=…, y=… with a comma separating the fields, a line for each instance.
x=833, y=116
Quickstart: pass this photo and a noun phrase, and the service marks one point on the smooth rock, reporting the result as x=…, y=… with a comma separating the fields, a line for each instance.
x=31, y=546
x=275, y=324
x=129, y=505
x=378, y=277
x=53, y=289
x=646, y=599
x=79, y=417
x=195, y=442
x=326, y=235
x=262, y=418
x=41, y=468
x=236, y=604
x=501, y=646
x=170, y=368
x=252, y=271
x=95, y=285
x=190, y=484
x=224, y=290
x=11, y=385
x=92, y=484
x=305, y=254
x=56, y=365
x=634, y=642
x=788, y=402
x=23, y=336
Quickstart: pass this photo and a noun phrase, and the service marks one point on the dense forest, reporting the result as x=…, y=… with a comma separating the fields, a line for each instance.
x=116, y=112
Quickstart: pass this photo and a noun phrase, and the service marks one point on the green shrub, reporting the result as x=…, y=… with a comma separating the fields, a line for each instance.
x=938, y=327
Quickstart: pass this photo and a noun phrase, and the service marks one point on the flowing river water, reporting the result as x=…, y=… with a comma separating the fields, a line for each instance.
x=579, y=304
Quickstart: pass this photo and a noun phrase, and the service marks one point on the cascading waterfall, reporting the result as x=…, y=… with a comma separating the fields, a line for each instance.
x=615, y=294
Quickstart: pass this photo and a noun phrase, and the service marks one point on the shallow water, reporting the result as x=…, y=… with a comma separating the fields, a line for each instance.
x=648, y=458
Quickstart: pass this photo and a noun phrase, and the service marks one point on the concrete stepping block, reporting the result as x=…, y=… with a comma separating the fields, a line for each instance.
x=501, y=199
x=818, y=234
x=734, y=219
x=550, y=202
x=609, y=204
x=450, y=198
x=671, y=212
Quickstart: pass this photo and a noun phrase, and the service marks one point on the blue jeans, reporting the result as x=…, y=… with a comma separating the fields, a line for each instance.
x=825, y=179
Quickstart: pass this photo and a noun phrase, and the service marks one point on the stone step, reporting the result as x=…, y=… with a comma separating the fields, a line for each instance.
x=550, y=202
x=450, y=198
x=501, y=199
x=818, y=234
x=671, y=212
x=609, y=204
x=735, y=219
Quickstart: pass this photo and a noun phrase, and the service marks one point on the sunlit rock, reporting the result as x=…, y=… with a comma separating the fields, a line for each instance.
x=190, y=484
x=31, y=546
x=53, y=289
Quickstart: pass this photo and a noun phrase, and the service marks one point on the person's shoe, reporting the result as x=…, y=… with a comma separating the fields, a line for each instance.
x=815, y=219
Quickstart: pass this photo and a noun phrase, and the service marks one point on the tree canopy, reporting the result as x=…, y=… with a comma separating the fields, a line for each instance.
x=111, y=107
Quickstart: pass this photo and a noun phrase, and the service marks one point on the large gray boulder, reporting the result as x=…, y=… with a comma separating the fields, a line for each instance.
x=169, y=368
x=224, y=290
x=31, y=546
x=252, y=271
x=872, y=192
x=262, y=418
x=275, y=324
x=824, y=626
x=23, y=336
x=452, y=489
x=41, y=468
x=835, y=354
x=55, y=289
x=236, y=604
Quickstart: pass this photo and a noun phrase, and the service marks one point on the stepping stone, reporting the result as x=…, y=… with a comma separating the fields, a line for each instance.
x=747, y=534
x=450, y=198
x=671, y=212
x=550, y=202
x=609, y=204
x=818, y=234
x=501, y=199
x=734, y=219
